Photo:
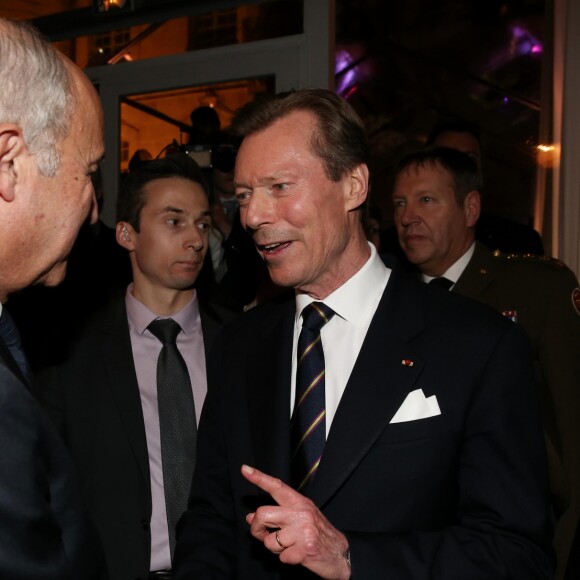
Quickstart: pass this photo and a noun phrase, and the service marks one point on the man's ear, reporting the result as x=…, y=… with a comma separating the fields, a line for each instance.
x=358, y=189
x=11, y=146
x=124, y=234
x=472, y=208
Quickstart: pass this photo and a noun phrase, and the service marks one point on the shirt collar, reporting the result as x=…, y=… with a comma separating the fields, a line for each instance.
x=355, y=299
x=454, y=272
x=140, y=317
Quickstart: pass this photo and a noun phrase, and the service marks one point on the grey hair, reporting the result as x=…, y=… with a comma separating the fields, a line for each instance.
x=36, y=91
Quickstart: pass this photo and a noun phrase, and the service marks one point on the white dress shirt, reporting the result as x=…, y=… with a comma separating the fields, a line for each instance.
x=146, y=348
x=454, y=272
x=355, y=304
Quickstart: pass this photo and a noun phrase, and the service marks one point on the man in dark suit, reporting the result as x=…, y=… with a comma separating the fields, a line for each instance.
x=421, y=455
x=50, y=142
x=104, y=396
x=437, y=204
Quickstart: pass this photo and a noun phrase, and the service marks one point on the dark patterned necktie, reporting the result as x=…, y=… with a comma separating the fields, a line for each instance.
x=442, y=282
x=308, y=425
x=177, y=423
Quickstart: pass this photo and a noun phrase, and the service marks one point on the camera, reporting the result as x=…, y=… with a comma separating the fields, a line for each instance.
x=221, y=157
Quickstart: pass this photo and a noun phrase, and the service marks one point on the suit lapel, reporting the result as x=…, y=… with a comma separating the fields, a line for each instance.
x=268, y=382
x=378, y=385
x=118, y=363
x=11, y=363
x=211, y=323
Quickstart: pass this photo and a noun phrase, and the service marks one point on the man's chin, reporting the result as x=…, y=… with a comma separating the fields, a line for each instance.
x=53, y=277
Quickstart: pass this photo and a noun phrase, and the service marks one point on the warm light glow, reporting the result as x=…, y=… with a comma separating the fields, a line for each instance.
x=548, y=155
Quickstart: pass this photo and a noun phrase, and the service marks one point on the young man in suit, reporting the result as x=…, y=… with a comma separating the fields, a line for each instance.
x=413, y=448
x=50, y=143
x=104, y=397
x=437, y=206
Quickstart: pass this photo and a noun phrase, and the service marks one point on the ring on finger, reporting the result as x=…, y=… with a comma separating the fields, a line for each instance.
x=279, y=542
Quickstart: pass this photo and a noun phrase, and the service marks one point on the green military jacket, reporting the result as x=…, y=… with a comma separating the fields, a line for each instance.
x=542, y=295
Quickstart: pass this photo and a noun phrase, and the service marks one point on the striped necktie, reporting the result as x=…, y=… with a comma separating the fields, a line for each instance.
x=308, y=424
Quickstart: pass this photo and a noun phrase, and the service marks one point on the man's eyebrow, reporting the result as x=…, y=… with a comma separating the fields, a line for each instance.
x=267, y=180
x=171, y=209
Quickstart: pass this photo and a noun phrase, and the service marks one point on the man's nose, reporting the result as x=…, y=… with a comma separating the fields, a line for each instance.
x=258, y=211
x=194, y=238
x=407, y=214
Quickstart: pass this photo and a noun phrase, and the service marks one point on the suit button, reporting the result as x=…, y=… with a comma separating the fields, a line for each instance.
x=145, y=524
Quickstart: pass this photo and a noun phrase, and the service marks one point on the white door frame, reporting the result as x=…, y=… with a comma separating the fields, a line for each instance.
x=301, y=60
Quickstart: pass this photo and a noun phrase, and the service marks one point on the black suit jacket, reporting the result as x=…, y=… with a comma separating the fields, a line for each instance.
x=94, y=399
x=44, y=529
x=455, y=496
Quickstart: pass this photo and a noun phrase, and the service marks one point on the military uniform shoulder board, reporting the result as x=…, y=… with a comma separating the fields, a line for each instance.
x=537, y=258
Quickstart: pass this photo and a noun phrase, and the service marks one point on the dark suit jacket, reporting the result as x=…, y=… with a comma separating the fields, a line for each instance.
x=44, y=530
x=94, y=399
x=539, y=291
x=460, y=495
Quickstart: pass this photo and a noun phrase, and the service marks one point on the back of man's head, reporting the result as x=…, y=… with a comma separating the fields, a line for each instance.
x=460, y=135
x=36, y=91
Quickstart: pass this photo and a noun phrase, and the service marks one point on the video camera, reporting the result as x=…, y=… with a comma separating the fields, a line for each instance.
x=221, y=157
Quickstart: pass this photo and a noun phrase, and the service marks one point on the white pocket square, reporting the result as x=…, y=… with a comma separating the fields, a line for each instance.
x=417, y=406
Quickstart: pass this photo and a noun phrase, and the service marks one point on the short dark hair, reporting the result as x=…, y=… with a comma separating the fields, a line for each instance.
x=131, y=199
x=340, y=141
x=454, y=126
x=462, y=168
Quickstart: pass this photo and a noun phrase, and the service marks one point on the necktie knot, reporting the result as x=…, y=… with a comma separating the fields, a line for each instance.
x=442, y=282
x=316, y=315
x=165, y=329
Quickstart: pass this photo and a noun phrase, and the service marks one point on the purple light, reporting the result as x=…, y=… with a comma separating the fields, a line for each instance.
x=345, y=77
x=525, y=42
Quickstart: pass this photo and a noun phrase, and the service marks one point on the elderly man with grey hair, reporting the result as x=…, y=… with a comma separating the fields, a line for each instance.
x=50, y=143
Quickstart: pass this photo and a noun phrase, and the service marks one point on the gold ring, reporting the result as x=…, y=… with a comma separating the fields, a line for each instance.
x=279, y=542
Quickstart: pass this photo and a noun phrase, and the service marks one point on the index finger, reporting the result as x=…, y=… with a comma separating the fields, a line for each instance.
x=281, y=493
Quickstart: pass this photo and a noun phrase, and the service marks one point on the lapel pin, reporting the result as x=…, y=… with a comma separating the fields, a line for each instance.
x=407, y=363
x=511, y=315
